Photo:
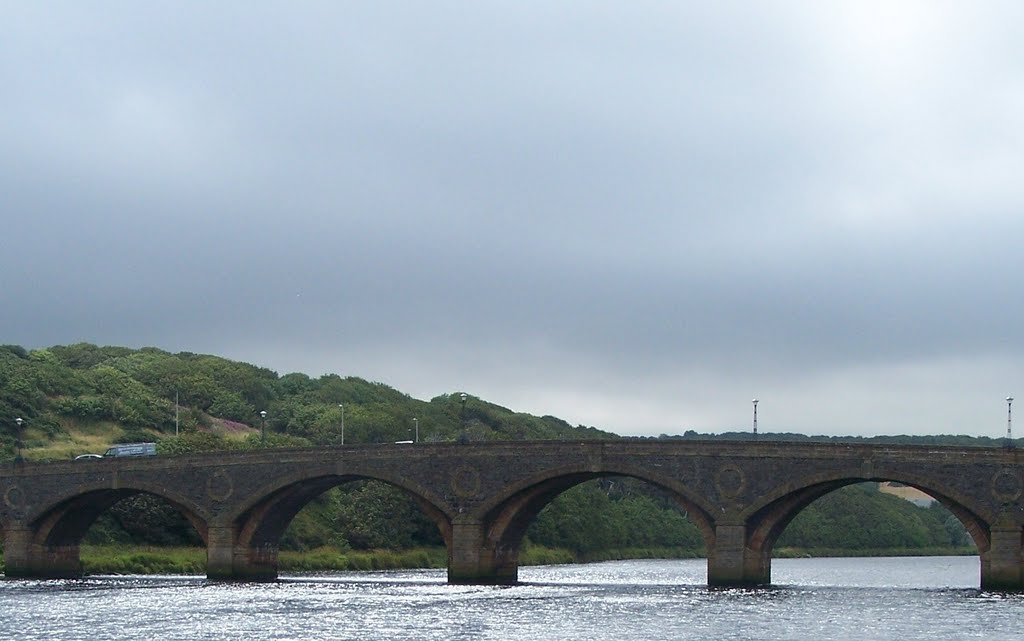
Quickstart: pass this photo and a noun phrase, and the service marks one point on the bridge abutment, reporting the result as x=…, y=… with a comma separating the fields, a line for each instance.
x=23, y=557
x=1002, y=565
x=732, y=563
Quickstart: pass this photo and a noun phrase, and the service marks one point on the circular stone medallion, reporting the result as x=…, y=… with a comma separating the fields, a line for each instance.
x=219, y=486
x=465, y=482
x=730, y=481
x=1006, y=486
x=14, y=498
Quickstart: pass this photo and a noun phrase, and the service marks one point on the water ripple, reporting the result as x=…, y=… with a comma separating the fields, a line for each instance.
x=814, y=599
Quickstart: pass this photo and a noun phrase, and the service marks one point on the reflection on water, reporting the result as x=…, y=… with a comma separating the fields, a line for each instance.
x=885, y=599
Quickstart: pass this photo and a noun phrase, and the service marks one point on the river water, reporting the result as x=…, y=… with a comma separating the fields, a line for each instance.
x=900, y=599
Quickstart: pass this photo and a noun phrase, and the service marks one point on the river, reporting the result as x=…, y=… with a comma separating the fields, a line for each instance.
x=902, y=599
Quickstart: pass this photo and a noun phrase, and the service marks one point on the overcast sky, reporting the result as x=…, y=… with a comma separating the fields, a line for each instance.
x=632, y=215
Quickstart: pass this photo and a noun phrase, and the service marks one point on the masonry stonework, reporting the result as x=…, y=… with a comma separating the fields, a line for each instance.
x=483, y=497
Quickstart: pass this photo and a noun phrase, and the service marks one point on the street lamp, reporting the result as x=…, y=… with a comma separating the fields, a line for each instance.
x=463, y=397
x=17, y=443
x=263, y=428
x=416, y=423
x=341, y=406
x=1009, y=420
x=755, y=417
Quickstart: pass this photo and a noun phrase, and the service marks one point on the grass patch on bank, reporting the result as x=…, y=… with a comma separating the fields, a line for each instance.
x=103, y=559
x=540, y=555
x=333, y=560
x=797, y=553
x=622, y=554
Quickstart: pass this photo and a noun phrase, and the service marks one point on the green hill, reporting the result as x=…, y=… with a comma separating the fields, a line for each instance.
x=84, y=396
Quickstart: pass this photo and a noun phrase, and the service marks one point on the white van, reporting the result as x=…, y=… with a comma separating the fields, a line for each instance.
x=132, y=449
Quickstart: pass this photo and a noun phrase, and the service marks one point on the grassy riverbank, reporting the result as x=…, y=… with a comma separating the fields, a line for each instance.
x=795, y=553
x=101, y=559
x=192, y=561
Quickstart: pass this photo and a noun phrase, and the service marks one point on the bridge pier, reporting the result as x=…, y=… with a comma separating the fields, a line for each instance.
x=471, y=560
x=1002, y=565
x=226, y=560
x=732, y=563
x=23, y=557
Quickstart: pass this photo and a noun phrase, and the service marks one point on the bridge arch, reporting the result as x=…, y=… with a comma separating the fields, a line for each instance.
x=503, y=520
x=254, y=530
x=767, y=518
x=47, y=542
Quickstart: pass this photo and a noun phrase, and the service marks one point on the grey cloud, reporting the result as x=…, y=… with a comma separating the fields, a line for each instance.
x=553, y=204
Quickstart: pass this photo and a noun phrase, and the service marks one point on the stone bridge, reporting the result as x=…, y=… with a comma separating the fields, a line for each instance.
x=483, y=497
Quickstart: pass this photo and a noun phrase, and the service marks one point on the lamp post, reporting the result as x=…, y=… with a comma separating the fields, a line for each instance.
x=463, y=436
x=263, y=428
x=755, y=416
x=341, y=406
x=416, y=424
x=1009, y=421
x=17, y=443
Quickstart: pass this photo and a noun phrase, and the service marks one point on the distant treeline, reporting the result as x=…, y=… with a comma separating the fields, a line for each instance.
x=959, y=440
